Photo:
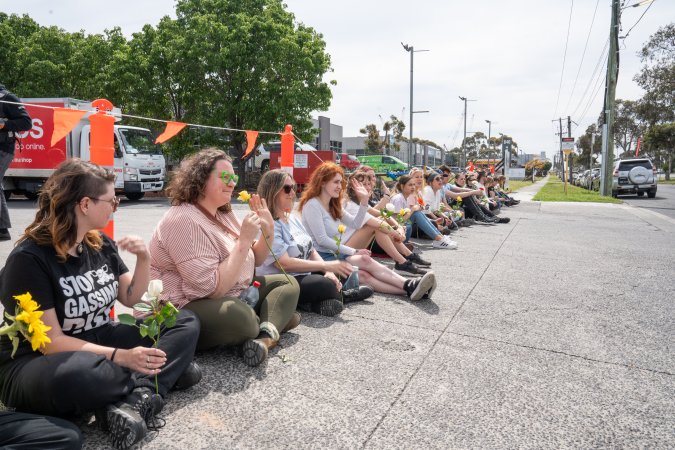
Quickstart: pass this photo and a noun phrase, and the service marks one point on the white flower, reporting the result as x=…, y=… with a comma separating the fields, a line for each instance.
x=390, y=207
x=155, y=288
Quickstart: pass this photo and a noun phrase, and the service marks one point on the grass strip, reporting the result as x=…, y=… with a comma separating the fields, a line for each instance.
x=554, y=191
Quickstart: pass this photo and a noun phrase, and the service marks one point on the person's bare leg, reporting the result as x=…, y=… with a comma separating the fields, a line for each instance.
x=361, y=238
x=377, y=285
x=380, y=273
x=388, y=246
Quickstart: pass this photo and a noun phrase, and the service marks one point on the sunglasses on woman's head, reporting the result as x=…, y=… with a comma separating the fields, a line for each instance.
x=445, y=175
x=228, y=177
x=288, y=188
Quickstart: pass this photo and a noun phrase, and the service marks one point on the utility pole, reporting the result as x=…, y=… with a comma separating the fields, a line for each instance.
x=489, y=122
x=609, y=106
x=411, y=49
x=464, y=99
x=569, y=158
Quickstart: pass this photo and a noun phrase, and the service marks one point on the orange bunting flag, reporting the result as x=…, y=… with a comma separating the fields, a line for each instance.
x=492, y=169
x=64, y=121
x=172, y=129
x=251, y=137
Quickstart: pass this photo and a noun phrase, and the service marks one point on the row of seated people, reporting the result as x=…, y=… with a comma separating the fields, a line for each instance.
x=205, y=257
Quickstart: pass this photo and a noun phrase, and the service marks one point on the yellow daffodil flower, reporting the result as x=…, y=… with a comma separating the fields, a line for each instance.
x=244, y=196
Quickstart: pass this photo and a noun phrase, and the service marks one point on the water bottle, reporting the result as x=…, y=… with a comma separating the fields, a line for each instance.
x=251, y=295
x=352, y=281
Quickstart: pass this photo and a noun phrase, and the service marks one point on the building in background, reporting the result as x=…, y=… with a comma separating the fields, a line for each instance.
x=329, y=136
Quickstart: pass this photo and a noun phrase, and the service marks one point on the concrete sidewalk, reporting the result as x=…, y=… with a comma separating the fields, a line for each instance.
x=555, y=330
x=526, y=193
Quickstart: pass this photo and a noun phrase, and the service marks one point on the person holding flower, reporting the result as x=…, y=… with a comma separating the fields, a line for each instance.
x=63, y=279
x=206, y=258
x=406, y=199
x=386, y=231
x=322, y=215
x=294, y=252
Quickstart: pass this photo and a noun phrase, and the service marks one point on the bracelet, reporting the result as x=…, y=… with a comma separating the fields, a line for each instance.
x=112, y=357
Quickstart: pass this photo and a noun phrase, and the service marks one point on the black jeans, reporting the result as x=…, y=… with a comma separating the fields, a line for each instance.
x=73, y=383
x=315, y=288
x=474, y=210
x=26, y=431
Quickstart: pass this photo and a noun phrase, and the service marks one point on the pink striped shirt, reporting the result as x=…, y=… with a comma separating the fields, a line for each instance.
x=186, y=249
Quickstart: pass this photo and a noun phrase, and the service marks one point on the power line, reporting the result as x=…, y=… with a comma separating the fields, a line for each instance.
x=583, y=55
x=598, y=65
x=638, y=21
x=569, y=26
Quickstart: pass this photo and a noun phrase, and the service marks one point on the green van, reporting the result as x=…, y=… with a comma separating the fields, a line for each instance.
x=383, y=163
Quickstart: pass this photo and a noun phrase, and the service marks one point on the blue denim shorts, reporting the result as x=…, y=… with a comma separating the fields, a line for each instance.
x=330, y=256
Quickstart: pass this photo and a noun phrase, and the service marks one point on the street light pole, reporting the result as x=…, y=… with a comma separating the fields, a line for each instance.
x=411, y=49
x=464, y=99
x=489, y=122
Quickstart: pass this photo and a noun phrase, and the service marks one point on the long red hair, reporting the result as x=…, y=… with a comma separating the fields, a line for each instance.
x=323, y=174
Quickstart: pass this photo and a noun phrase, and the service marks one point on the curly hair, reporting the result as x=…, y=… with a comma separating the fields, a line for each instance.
x=189, y=180
x=322, y=175
x=269, y=186
x=55, y=222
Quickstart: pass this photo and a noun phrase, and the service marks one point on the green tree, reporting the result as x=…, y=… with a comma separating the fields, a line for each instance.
x=661, y=138
x=584, y=143
x=394, y=127
x=628, y=126
x=657, y=76
x=255, y=66
x=373, y=142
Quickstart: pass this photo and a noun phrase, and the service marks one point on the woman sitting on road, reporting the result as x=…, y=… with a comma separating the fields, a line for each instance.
x=75, y=274
x=322, y=214
x=472, y=206
x=206, y=258
x=388, y=235
x=406, y=197
x=319, y=285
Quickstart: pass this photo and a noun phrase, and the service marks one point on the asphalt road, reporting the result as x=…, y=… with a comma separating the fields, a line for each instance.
x=663, y=203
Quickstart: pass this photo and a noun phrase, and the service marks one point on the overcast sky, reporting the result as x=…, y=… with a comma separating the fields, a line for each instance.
x=507, y=55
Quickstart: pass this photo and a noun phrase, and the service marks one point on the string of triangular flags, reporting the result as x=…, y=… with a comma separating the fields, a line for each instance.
x=65, y=119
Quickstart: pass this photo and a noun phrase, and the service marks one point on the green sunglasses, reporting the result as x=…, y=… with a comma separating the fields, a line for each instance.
x=228, y=177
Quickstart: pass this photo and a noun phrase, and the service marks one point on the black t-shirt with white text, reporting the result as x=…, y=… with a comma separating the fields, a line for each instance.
x=82, y=290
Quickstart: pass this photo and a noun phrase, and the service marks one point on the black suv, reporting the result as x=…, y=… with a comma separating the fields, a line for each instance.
x=634, y=176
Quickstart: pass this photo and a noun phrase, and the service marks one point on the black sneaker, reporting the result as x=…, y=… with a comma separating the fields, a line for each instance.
x=356, y=295
x=446, y=231
x=417, y=259
x=146, y=401
x=254, y=352
x=190, y=376
x=417, y=287
x=503, y=219
x=4, y=235
x=408, y=268
x=330, y=307
x=125, y=421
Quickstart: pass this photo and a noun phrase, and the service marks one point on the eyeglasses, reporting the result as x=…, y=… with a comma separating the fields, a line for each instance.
x=114, y=202
x=228, y=177
x=288, y=188
x=445, y=175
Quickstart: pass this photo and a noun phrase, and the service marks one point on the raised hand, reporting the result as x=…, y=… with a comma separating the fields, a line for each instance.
x=134, y=245
x=250, y=227
x=360, y=191
x=259, y=206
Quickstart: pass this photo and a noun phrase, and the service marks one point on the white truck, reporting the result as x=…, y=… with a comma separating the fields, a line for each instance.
x=140, y=166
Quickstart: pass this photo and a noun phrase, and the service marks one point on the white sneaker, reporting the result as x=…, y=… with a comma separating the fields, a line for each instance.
x=444, y=243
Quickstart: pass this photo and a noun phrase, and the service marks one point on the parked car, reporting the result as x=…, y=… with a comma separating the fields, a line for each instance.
x=347, y=161
x=588, y=182
x=634, y=176
x=383, y=163
x=575, y=178
x=581, y=181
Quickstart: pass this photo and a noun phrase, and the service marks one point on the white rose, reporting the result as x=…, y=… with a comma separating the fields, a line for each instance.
x=155, y=288
x=390, y=207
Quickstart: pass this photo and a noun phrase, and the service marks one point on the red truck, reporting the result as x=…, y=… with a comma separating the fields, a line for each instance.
x=347, y=161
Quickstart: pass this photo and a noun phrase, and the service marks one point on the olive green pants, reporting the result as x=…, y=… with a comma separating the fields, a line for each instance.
x=230, y=321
